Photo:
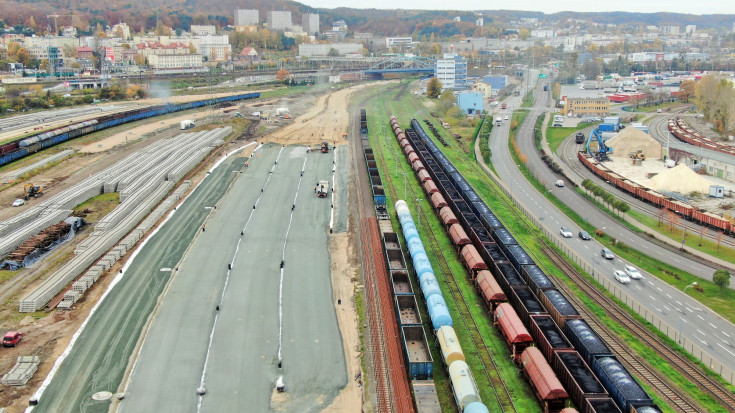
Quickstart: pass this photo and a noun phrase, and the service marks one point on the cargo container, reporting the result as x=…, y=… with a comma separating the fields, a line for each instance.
x=408, y=310
x=449, y=345
x=458, y=236
x=463, y=385
x=607, y=127
x=506, y=275
x=618, y=382
x=395, y=260
x=491, y=252
x=600, y=405
x=525, y=303
x=420, y=363
x=536, y=279
x=472, y=260
x=546, y=386
x=401, y=283
x=585, y=340
x=490, y=290
x=558, y=307
x=447, y=216
x=547, y=336
x=511, y=327
x=517, y=256
x=576, y=376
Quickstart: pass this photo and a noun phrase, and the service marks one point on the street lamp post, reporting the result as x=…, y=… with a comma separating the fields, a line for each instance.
x=681, y=316
x=405, y=184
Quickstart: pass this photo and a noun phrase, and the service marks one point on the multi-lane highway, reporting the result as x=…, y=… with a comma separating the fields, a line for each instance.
x=700, y=324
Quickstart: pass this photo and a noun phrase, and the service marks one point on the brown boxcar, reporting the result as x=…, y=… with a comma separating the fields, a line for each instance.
x=472, y=259
x=423, y=176
x=412, y=157
x=438, y=201
x=458, y=236
x=546, y=386
x=447, y=216
x=430, y=187
x=490, y=291
x=515, y=333
x=407, y=150
x=417, y=166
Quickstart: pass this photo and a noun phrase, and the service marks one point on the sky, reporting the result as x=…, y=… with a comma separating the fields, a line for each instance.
x=546, y=6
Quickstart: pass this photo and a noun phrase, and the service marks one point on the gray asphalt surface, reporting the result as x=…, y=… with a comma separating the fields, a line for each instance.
x=98, y=360
x=343, y=175
x=700, y=324
x=243, y=355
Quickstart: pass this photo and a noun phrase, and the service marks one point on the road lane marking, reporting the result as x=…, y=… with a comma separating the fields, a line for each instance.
x=701, y=332
x=700, y=317
x=723, y=347
x=713, y=326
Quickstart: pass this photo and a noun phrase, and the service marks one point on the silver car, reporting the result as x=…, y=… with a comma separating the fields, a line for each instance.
x=607, y=254
x=633, y=272
x=622, y=277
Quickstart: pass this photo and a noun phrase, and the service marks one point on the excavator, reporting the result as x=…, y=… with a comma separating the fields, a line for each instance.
x=602, y=150
x=31, y=191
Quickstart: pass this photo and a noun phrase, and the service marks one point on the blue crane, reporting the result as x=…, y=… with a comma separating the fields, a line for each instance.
x=603, y=150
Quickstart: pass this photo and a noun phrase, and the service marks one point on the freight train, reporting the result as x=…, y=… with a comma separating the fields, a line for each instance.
x=657, y=199
x=526, y=305
x=23, y=147
x=464, y=387
x=685, y=133
x=414, y=339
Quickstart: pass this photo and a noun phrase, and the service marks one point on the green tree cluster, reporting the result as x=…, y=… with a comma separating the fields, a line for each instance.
x=608, y=198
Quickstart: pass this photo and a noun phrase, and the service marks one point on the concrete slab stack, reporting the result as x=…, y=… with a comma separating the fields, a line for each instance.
x=12, y=176
x=143, y=178
x=10, y=242
x=25, y=367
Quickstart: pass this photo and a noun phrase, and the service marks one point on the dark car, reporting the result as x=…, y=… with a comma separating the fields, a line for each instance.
x=584, y=235
x=12, y=338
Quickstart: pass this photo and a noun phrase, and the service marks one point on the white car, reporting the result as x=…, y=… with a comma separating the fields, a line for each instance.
x=633, y=272
x=622, y=277
x=565, y=232
x=559, y=183
x=506, y=117
x=18, y=202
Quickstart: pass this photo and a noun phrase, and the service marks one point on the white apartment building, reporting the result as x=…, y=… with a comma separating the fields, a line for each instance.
x=452, y=72
x=203, y=29
x=246, y=17
x=279, y=20
x=174, y=61
x=310, y=23
x=309, y=50
x=396, y=41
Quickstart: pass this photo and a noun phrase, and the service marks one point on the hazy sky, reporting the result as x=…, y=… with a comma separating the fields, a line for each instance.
x=546, y=6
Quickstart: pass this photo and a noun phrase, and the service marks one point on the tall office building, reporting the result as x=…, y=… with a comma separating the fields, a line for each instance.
x=452, y=72
x=245, y=17
x=310, y=23
x=279, y=20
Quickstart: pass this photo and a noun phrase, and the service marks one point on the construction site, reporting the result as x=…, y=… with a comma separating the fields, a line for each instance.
x=147, y=238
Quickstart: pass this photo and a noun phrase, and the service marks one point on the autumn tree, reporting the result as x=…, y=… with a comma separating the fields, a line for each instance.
x=282, y=75
x=433, y=88
x=686, y=90
x=45, y=65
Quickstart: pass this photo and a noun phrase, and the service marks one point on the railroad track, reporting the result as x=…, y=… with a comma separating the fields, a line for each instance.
x=681, y=364
x=653, y=378
x=492, y=372
x=568, y=156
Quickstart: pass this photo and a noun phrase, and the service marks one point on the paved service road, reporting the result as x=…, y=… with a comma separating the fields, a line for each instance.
x=100, y=355
x=700, y=325
x=233, y=352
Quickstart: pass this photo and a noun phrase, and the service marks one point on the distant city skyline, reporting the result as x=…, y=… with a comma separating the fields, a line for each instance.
x=651, y=6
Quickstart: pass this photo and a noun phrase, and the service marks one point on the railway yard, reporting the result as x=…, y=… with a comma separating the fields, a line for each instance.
x=211, y=277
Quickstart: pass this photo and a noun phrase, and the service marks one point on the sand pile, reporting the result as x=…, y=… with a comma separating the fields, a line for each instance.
x=631, y=139
x=679, y=179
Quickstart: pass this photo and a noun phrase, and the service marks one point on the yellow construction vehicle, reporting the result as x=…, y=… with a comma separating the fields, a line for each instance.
x=31, y=191
x=638, y=155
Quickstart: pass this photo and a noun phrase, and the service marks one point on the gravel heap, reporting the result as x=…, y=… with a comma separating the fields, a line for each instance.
x=679, y=179
x=631, y=139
